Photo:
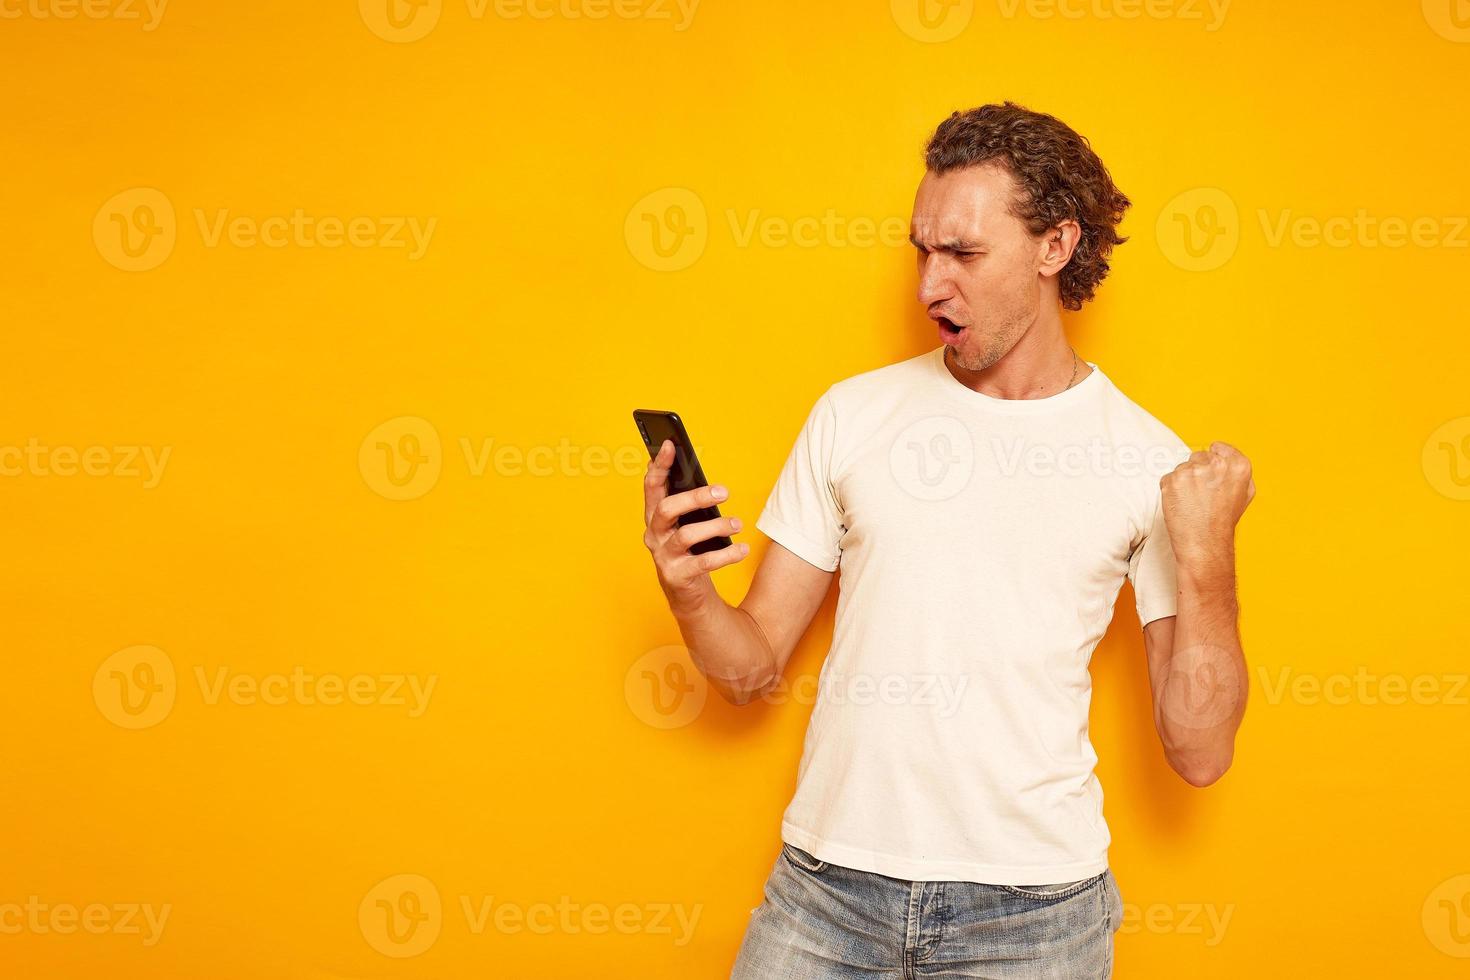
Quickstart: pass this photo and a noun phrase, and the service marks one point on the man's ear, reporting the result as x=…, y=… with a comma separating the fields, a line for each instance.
x=1057, y=246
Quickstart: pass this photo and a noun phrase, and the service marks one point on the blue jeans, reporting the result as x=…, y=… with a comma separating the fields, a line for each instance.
x=820, y=921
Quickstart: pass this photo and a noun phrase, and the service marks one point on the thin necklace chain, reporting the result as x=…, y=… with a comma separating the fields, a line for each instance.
x=1075, y=366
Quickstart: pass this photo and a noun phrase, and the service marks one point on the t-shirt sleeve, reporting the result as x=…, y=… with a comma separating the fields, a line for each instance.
x=802, y=513
x=1151, y=571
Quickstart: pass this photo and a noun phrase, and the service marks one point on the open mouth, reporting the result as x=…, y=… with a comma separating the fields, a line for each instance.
x=949, y=331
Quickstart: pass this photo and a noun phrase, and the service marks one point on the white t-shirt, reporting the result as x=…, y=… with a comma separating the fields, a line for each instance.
x=982, y=543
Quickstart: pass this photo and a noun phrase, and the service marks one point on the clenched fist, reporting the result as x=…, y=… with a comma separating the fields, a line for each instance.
x=1204, y=498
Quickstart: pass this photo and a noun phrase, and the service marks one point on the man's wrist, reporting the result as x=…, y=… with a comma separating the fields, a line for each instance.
x=691, y=605
x=1208, y=567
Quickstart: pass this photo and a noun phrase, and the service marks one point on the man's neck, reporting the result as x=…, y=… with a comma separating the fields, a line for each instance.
x=1040, y=365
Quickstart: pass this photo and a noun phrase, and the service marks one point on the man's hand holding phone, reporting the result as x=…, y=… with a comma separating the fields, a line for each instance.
x=742, y=649
x=683, y=575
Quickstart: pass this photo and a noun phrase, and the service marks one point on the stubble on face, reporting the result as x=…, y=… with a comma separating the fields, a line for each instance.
x=982, y=352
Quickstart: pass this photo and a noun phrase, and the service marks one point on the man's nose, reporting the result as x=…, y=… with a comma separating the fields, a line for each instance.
x=934, y=285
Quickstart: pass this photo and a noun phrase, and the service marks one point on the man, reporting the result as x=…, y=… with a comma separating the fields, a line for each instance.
x=985, y=502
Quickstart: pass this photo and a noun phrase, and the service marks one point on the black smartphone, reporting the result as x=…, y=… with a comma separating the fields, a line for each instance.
x=685, y=473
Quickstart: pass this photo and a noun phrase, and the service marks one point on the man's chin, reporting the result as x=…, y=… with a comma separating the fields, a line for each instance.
x=968, y=360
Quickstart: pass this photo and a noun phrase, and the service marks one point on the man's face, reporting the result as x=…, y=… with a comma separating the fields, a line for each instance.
x=978, y=264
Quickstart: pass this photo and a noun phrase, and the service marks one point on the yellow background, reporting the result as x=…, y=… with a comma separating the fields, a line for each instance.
x=538, y=773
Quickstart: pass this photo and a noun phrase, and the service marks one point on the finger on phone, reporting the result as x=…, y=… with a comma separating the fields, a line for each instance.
x=670, y=508
x=711, y=560
x=656, y=480
x=691, y=534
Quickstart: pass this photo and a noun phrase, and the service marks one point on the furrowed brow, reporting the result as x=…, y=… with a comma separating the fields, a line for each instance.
x=948, y=245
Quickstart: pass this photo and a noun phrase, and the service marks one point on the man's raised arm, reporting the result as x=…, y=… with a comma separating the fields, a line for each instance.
x=1196, y=665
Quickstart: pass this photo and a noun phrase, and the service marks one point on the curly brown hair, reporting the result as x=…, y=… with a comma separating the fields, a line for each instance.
x=1059, y=175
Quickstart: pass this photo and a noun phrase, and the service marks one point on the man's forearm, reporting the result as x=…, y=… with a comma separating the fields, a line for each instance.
x=1204, y=698
x=1201, y=699
x=726, y=644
